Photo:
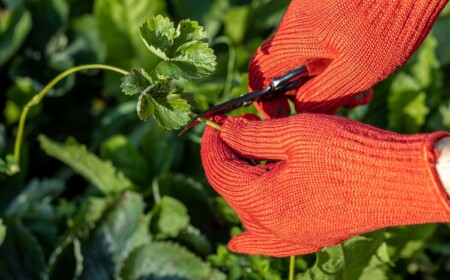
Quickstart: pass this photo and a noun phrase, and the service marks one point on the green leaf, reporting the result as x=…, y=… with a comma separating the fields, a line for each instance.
x=145, y=107
x=100, y=173
x=121, y=229
x=235, y=23
x=188, y=32
x=195, y=240
x=118, y=21
x=35, y=205
x=34, y=193
x=87, y=45
x=184, y=50
x=19, y=94
x=126, y=157
x=165, y=260
x=195, y=196
x=69, y=263
x=268, y=14
x=15, y=25
x=21, y=256
x=9, y=165
x=158, y=33
x=357, y=258
x=169, y=217
x=89, y=214
x=161, y=149
x=67, y=259
x=135, y=82
x=185, y=55
x=406, y=242
x=58, y=58
x=169, y=110
x=426, y=66
x=48, y=16
x=407, y=104
x=193, y=61
x=439, y=119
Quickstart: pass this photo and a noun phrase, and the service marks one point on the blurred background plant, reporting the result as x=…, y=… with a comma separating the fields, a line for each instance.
x=103, y=195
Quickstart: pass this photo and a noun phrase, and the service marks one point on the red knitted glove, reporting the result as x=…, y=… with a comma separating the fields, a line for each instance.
x=327, y=179
x=366, y=40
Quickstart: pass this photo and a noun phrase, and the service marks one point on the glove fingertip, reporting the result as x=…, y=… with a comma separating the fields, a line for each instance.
x=241, y=243
x=277, y=108
x=361, y=98
x=248, y=243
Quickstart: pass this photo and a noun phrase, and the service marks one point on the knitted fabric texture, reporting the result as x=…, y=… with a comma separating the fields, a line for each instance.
x=366, y=39
x=326, y=179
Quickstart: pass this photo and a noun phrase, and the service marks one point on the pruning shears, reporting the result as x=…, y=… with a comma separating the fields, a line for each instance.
x=293, y=79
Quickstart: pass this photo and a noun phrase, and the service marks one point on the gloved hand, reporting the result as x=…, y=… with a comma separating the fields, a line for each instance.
x=366, y=41
x=326, y=179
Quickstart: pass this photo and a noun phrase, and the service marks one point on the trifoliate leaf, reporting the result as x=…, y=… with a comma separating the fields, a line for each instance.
x=185, y=55
x=135, y=82
x=169, y=110
x=184, y=50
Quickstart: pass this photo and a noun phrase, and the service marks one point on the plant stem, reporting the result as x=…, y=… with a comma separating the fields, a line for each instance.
x=38, y=97
x=210, y=123
x=291, y=267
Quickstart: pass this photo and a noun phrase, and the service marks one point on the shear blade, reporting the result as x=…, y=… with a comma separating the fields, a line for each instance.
x=279, y=85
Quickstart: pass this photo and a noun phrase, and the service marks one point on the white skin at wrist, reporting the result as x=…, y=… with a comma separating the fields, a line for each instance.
x=443, y=162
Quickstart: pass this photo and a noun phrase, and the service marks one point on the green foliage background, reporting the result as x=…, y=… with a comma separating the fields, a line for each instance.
x=103, y=195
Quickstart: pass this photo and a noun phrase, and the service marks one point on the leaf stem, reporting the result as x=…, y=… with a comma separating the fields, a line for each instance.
x=291, y=267
x=38, y=97
x=210, y=123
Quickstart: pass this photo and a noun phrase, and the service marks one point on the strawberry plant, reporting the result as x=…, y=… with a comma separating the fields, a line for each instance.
x=184, y=54
x=95, y=183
